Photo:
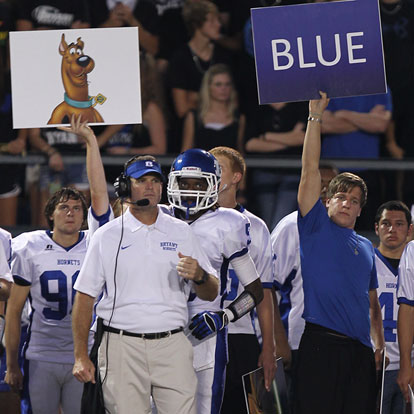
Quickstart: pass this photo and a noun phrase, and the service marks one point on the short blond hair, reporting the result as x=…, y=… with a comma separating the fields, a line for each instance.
x=236, y=159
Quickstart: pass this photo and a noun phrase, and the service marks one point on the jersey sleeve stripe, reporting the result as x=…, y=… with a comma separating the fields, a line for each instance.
x=405, y=301
x=238, y=254
x=20, y=281
x=102, y=219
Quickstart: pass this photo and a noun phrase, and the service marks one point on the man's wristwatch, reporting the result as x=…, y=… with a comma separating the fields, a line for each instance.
x=203, y=279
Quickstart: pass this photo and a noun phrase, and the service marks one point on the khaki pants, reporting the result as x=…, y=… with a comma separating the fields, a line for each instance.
x=135, y=368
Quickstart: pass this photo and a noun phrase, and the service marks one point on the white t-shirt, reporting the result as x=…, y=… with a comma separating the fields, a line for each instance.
x=149, y=294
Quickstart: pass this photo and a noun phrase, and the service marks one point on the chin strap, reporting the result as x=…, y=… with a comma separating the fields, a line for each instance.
x=187, y=211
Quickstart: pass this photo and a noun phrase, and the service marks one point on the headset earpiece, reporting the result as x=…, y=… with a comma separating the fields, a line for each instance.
x=122, y=186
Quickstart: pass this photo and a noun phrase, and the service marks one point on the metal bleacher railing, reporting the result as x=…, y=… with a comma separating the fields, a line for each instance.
x=383, y=164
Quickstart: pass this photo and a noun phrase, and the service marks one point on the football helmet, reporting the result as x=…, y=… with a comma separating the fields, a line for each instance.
x=194, y=163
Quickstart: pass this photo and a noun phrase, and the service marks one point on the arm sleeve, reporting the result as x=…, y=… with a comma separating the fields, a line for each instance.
x=20, y=267
x=313, y=221
x=94, y=221
x=245, y=269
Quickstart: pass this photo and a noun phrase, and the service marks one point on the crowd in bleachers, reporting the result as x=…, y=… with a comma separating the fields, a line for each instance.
x=199, y=90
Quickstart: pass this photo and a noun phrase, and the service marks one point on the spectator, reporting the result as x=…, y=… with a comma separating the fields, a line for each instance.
x=353, y=128
x=52, y=14
x=217, y=121
x=277, y=130
x=146, y=138
x=132, y=13
x=12, y=142
x=190, y=62
x=397, y=23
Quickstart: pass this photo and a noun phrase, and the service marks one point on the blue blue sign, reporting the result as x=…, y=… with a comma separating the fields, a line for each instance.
x=334, y=47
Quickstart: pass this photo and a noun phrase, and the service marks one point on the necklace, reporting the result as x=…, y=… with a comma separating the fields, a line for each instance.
x=197, y=62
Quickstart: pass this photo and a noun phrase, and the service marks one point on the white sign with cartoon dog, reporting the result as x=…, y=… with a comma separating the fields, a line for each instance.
x=91, y=72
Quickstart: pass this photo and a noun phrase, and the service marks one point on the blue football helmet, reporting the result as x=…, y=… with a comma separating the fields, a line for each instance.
x=194, y=163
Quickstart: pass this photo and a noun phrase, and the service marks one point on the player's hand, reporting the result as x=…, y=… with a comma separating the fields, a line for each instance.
x=188, y=268
x=405, y=377
x=14, y=378
x=84, y=370
x=267, y=360
x=206, y=323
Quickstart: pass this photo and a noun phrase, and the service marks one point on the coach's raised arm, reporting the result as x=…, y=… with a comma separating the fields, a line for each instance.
x=310, y=180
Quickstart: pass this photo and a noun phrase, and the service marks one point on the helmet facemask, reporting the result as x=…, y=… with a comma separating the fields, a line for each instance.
x=203, y=200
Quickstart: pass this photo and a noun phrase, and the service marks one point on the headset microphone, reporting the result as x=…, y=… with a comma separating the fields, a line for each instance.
x=140, y=203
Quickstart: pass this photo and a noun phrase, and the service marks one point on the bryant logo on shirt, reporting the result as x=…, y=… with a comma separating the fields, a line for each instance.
x=49, y=247
x=169, y=246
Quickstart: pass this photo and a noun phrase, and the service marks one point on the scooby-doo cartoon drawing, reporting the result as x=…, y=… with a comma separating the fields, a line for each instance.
x=75, y=69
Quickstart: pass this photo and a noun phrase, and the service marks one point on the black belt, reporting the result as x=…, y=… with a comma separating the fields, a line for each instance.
x=155, y=335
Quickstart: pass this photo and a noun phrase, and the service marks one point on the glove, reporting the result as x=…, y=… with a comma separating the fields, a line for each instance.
x=206, y=323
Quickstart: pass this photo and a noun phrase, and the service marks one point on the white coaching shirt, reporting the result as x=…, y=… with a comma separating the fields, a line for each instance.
x=288, y=276
x=150, y=295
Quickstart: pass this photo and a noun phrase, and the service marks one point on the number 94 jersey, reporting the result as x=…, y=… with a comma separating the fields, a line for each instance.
x=51, y=271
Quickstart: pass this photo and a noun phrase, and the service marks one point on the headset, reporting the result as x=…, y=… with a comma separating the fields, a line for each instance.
x=122, y=183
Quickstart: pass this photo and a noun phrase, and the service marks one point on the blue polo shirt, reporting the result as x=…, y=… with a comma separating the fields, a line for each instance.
x=338, y=270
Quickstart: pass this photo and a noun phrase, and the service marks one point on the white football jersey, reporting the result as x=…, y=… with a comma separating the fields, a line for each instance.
x=51, y=271
x=405, y=289
x=288, y=276
x=5, y=240
x=223, y=234
x=5, y=255
x=387, y=295
x=260, y=250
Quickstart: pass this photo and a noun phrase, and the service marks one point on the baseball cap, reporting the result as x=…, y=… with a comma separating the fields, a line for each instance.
x=142, y=167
